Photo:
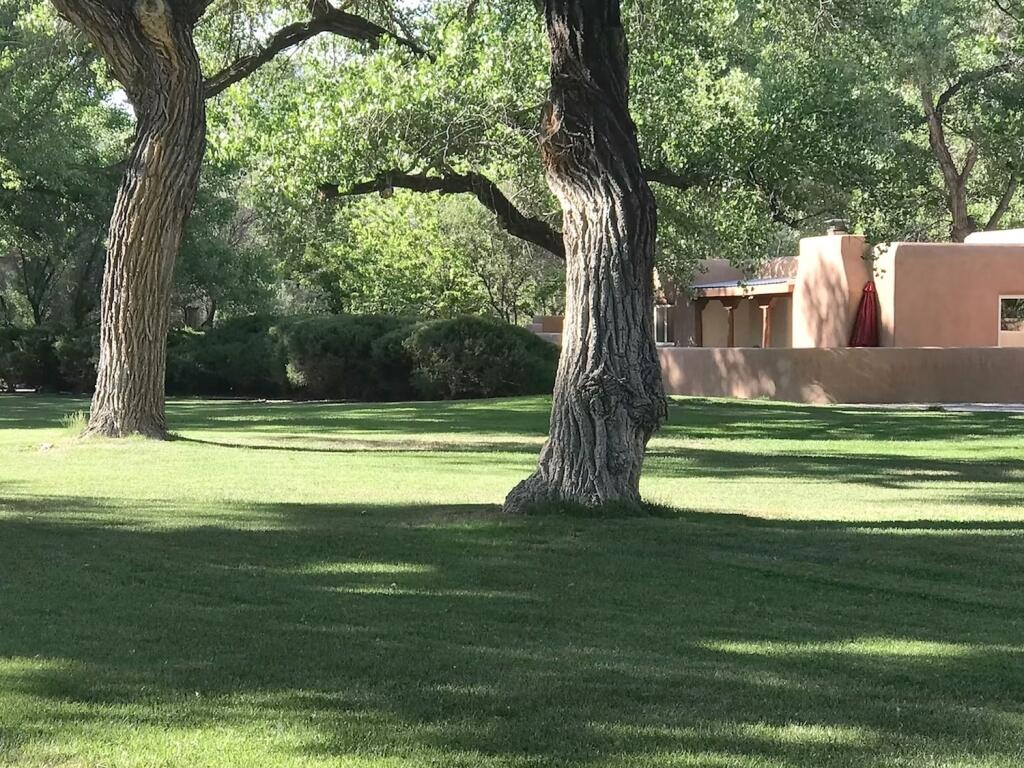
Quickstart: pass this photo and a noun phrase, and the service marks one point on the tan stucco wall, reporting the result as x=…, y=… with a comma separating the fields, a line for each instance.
x=549, y=323
x=830, y=279
x=782, y=321
x=879, y=375
x=946, y=294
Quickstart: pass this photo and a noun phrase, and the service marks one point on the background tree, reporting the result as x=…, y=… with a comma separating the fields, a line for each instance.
x=953, y=69
x=60, y=143
x=150, y=49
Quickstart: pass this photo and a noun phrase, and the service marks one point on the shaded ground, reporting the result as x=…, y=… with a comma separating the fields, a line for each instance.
x=348, y=594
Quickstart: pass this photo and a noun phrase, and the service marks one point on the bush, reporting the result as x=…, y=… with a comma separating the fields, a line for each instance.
x=27, y=359
x=333, y=356
x=346, y=357
x=241, y=357
x=478, y=357
x=77, y=353
x=394, y=365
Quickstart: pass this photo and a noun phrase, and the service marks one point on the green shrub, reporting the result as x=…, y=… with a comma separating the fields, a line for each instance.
x=394, y=365
x=27, y=359
x=478, y=357
x=344, y=357
x=333, y=356
x=241, y=357
x=77, y=353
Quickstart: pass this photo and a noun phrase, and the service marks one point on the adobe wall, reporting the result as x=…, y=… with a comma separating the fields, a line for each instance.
x=831, y=275
x=859, y=375
x=946, y=294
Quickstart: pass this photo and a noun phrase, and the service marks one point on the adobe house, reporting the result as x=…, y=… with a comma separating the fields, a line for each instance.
x=947, y=324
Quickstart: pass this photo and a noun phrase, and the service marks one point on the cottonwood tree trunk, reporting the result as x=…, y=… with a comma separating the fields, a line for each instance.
x=153, y=204
x=150, y=49
x=609, y=397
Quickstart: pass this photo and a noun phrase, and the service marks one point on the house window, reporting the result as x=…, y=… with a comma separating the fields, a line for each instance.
x=1011, y=313
x=1011, y=321
x=663, y=332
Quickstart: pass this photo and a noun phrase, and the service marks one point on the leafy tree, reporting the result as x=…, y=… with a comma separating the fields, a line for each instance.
x=59, y=145
x=150, y=49
x=227, y=265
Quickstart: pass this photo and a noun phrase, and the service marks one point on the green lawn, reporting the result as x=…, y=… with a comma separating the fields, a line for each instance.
x=314, y=585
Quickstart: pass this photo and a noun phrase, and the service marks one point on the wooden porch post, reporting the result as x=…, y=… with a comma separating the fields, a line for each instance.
x=698, y=321
x=765, y=303
x=730, y=305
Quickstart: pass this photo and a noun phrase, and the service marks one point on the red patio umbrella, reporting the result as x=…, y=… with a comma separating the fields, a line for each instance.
x=865, y=327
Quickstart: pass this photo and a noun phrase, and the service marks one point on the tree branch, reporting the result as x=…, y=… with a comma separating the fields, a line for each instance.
x=970, y=78
x=510, y=218
x=1004, y=202
x=324, y=17
x=682, y=180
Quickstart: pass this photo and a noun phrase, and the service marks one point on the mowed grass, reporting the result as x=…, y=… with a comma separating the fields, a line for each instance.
x=334, y=585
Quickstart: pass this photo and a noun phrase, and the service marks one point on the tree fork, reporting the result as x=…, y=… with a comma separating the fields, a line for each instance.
x=609, y=398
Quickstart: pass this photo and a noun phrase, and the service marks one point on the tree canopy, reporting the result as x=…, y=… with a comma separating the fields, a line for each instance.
x=756, y=122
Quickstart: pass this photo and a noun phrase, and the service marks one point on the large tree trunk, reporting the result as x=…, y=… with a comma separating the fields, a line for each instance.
x=609, y=397
x=153, y=204
x=150, y=49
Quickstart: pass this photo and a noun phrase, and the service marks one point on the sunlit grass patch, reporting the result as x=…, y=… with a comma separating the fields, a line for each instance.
x=319, y=585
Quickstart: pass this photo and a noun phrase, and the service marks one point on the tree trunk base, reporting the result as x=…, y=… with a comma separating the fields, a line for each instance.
x=537, y=492
x=105, y=425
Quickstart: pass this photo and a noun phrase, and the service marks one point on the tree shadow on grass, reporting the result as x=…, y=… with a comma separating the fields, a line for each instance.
x=879, y=470
x=699, y=418
x=690, y=418
x=454, y=635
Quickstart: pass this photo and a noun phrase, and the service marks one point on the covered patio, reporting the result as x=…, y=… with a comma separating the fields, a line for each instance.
x=763, y=292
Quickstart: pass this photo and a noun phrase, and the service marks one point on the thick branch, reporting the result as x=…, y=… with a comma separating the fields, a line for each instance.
x=1004, y=202
x=510, y=218
x=325, y=19
x=683, y=180
x=971, y=78
x=937, y=139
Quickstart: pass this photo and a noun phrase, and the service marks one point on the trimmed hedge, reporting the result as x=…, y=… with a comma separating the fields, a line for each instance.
x=478, y=357
x=332, y=357
x=240, y=357
x=343, y=357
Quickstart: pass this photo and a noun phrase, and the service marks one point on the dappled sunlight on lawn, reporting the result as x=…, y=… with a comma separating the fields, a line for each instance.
x=866, y=646
x=348, y=595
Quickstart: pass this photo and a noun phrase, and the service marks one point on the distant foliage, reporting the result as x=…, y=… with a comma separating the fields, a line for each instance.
x=48, y=359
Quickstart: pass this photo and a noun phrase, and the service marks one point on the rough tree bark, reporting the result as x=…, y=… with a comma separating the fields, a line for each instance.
x=149, y=47
x=609, y=397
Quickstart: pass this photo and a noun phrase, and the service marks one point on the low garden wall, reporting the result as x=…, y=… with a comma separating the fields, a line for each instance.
x=877, y=375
